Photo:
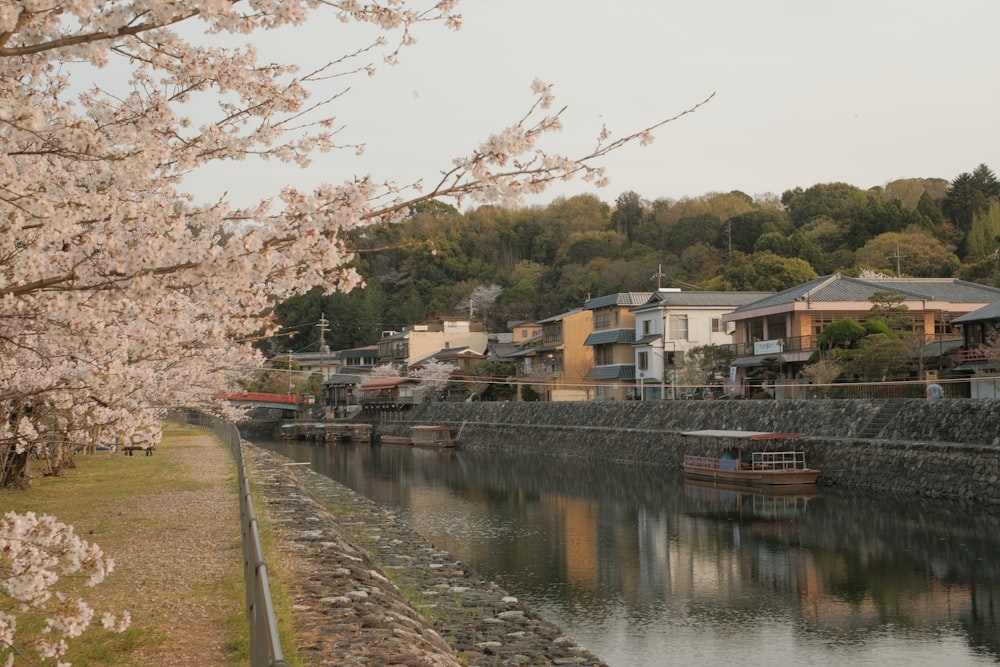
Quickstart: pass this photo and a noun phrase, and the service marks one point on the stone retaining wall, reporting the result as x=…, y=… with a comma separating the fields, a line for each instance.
x=944, y=448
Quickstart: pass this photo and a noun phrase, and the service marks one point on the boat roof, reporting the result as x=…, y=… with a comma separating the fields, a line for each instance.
x=749, y=435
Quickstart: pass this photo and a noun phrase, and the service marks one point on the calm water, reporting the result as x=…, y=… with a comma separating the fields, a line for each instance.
x=644, y=568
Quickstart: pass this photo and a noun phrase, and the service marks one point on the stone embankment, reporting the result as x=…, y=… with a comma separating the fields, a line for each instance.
x=369, y=591
x=938, y=448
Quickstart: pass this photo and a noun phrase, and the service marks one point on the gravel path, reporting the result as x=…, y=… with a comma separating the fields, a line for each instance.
x=177, y=555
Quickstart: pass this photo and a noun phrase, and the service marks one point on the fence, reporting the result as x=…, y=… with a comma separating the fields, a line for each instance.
x=265, y=645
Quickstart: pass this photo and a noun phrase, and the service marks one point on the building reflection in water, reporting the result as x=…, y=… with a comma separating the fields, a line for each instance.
x=634, y=562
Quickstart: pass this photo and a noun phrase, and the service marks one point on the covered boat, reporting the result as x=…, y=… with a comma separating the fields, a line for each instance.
x=432, y=436
x=756, y=458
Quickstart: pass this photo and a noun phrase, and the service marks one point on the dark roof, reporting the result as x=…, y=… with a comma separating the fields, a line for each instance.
x=988, y=312
x=359, y=352
x=560, y=316
x=696, y=299
x=385, y=382
x=344, y=379
x=836, y=288
x=648, y=339
x=619, y=299
x=613, y=372
x=607, y=336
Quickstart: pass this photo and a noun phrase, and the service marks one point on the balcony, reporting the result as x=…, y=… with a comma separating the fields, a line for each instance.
x=793, y=344
x=964, y=356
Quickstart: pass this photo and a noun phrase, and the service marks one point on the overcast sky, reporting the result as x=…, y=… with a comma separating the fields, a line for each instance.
x=859, y=91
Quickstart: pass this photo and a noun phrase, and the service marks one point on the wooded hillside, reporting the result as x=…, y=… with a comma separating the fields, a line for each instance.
x=536, y=262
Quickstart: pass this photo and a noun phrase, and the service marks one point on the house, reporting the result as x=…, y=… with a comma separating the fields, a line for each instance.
x=405, y=348
x=389, y=393
x=977, y=358
x=612, y=338
x=464, y=360
x=340, y=395
x=558, y=363
x=786, y=326
x=672, y=322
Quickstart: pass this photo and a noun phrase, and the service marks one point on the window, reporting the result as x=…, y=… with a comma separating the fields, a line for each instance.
x=603, y=355
x=602, y=320
x=647, y=327
x=678, y=327
x=643, y=361
x=716, y=325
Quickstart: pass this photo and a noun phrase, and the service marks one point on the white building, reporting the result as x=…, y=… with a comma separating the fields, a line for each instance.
x=672, y=322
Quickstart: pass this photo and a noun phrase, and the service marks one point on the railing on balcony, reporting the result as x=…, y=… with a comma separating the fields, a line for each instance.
x=963, y=356
x=792, y=344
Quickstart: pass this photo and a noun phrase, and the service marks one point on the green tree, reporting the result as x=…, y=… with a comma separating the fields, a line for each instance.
x=984, y=234
x=711, y=362
x=831, y=200
x=741, y=231
x=921, y=255
x=765, y=272
x=879, y=358
x=628, y=214
x=890, y=307
x=842, y=333
x=968, y=195
x=689, y=231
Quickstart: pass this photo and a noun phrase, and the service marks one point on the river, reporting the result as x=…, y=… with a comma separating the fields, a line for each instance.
x=644, y=568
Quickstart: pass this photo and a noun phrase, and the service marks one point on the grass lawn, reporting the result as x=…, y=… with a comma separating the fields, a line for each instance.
x=148, y=512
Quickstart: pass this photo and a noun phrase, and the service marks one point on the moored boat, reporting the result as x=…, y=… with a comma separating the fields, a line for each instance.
x=752, y=460
x=432, y=436
x=395, y=440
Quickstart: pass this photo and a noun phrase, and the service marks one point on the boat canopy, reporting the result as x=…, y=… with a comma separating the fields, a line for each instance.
x=743, y=435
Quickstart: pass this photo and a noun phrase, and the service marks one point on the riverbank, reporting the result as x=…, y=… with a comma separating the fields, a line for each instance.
x=171, y=523
x=948, y=448
x=367, y=590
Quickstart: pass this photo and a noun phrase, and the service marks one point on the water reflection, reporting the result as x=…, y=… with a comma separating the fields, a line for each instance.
x=644, y=567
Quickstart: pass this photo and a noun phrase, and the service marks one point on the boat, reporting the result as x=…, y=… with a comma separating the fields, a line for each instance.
x=757, y=458
x=347, y=432
x=395, y=440
x=432, y=436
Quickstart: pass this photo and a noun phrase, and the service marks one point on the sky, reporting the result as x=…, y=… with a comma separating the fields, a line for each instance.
x=857, y=91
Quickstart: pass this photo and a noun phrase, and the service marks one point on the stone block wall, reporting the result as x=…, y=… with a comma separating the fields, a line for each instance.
x=944, y=448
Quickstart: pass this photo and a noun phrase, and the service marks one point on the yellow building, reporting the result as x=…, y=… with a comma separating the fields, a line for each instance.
x=612, y=340
x=561, y=360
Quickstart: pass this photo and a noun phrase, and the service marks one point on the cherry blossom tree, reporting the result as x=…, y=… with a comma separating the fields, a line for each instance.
x=43, y=564
x=122, y=294
x=434, y=375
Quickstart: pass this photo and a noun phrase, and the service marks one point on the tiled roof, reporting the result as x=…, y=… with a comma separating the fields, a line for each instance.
x=382, y=383
x=836, y=288
x=695, y=299
x=611, y=336
x=619, y=299
x=560, y=316
x=614, y=372
x=990, y=312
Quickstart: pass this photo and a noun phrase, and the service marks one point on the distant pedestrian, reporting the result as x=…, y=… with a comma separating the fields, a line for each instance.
x=707, y=394
x=934, y=390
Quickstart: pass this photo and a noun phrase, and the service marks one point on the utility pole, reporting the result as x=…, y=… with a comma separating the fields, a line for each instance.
x=658, y=275
x=323, y=324
x=897, y=256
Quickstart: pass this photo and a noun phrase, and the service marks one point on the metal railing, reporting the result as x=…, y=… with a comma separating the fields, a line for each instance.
x=265, y=645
